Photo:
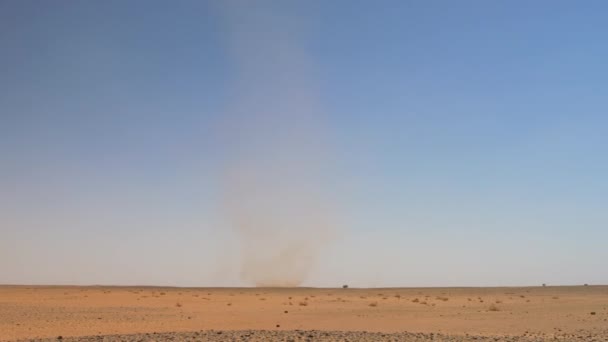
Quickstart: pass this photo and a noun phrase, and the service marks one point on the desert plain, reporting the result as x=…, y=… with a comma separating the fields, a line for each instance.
x=95, y=313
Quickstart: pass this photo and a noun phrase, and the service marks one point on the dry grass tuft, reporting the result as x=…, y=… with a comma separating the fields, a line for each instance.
x=493, y=307
x=303, y=303
x=373, y=304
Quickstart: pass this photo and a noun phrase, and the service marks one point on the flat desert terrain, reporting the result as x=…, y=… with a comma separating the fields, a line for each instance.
x=303, y=314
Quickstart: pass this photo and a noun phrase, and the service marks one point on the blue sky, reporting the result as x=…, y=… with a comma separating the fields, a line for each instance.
x=467, y=141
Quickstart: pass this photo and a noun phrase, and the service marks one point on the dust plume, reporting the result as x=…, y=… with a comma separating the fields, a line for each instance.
x=277, y=166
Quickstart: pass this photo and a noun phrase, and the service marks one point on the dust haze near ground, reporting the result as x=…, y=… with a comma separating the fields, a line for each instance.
x=274, y=178
x=563, y=313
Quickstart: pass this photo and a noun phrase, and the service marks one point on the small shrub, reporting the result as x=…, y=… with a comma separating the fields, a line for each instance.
x=373, y=304
x=344, y=286
x=415, y=300
x=303, y=303
x=178, y=304
x=493, y=308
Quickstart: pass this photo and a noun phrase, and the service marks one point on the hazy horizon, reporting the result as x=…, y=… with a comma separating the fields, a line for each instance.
x=385, y=144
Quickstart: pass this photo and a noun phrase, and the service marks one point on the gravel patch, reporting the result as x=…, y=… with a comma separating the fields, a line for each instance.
x=317, y=335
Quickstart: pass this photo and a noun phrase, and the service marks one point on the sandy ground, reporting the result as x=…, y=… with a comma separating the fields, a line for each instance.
x=28, y=312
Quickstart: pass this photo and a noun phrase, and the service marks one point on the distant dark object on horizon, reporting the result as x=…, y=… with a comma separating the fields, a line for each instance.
x=344, y=286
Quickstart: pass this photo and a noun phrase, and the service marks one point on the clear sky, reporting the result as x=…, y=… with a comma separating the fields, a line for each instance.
x=468, y=140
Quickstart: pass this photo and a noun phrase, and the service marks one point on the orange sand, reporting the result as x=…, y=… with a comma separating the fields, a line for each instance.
x=32, y=311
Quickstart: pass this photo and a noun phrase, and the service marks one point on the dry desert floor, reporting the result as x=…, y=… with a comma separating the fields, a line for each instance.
x=303, y=314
